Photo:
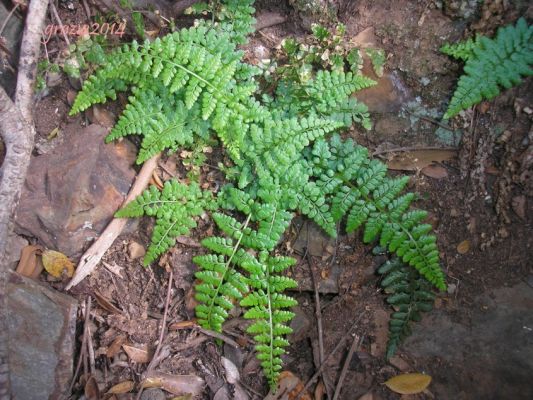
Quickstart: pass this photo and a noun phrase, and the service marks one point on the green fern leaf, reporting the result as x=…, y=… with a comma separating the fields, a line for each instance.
x=410, y=295
x=174, y=209
x=494, y=63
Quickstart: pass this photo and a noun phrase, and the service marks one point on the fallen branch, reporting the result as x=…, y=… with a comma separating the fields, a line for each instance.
x=17, y=132
x=94, y=254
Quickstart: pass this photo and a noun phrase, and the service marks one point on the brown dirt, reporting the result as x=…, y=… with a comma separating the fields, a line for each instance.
x=461, y=207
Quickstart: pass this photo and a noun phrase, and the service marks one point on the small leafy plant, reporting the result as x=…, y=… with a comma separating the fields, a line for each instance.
x=491, y=64
x=286, y=157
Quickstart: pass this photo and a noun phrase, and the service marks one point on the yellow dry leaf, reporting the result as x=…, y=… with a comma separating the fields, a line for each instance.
x=409, y=383
x=463, y=247
x=57, y=264
x=122, y=387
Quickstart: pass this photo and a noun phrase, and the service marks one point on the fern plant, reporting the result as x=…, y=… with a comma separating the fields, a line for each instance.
x=233, y=273
x=409, y=294
x=287, y=157
x=174, y=209
x=492, y=64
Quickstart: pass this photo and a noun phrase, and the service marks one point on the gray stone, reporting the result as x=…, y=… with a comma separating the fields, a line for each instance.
x=490, y=357
x=42, y=325
x=153, y=394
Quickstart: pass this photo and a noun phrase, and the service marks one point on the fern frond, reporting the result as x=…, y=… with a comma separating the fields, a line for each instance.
x=267, y=306
x=461, y=50
x=174, y=209
x=409, y=294
x=363, y=193
x=492, y=64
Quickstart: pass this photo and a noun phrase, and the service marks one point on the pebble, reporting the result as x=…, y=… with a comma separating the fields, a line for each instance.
x=153, y=394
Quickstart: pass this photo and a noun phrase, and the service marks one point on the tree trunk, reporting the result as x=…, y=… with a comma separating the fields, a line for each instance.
x=18, y=140
x=17, y=132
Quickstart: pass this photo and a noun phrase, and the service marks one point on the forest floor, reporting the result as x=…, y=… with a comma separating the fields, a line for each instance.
x=478, y=341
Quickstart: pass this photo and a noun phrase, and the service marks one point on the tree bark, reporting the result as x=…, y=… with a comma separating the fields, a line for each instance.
x=17, y=132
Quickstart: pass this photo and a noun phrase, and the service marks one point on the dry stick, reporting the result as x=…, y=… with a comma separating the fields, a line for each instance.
x=412, y=148
x=94, y=254
x=155, y=358
x=335, y=349
x=60, y=23
x=318, y=312
x=355, y=345
x=217, y=335
x=83, y=343
x=8, y=18
x=431, y=120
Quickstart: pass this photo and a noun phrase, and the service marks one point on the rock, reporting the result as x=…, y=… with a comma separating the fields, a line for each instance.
x=461, y=9
x=42, y=326
x=153, y=394
x=381, y=333
x=15, y=244
x=312, y=237
x=300, y=325
x=492, y=348
x=388, y=96
x=71, y=193
x=391, y=126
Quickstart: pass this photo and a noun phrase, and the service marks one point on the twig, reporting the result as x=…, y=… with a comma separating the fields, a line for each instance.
x=93, y=255
x=83, y=343
x=87, y=9
x=155, y=358
x=318, y=312
x=164, y=323
x=59, y=22
x=431, y=120
x=217, y=335
x=8, y=18
x=411, y=148
x=335, y=349
x=355, y=345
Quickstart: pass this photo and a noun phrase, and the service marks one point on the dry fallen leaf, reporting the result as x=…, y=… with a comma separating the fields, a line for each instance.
x=114, y=347
x=232, y=373
x=135, y=250
x=182, y=325
x=288, y=388
x=463, y=247
x=122, y=387
x=57, y=264
x=367, y=396
x=29, y=264
x=435, y=171
x=320, y=390
x=138, y=355
x=91, y=389
x=105, y=304
x=417, y=159
x=175, y=384
x=409, y=383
